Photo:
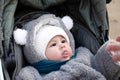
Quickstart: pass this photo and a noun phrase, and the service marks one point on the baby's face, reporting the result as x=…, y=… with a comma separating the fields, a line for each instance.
x=58, y=49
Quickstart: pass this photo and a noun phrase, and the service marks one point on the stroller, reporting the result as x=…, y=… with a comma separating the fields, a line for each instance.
x=90, y=20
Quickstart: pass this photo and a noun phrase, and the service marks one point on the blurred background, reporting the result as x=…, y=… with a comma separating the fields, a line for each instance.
x=114, y=18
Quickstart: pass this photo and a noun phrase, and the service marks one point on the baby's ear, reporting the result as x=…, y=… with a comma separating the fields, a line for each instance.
x=68, y=22
x=20, y=36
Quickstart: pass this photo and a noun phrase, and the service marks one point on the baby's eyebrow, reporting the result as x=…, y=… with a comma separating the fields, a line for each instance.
x=53, y=40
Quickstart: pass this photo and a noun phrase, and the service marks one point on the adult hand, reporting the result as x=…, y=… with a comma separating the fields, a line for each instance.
x=114, y=47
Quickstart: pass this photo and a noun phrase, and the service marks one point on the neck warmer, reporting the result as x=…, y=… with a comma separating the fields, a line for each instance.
x=46, y=66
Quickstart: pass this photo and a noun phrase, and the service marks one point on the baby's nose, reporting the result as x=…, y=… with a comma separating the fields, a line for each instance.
x=62, y=45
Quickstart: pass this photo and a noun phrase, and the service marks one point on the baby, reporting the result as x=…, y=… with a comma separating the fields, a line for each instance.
x=49, y=49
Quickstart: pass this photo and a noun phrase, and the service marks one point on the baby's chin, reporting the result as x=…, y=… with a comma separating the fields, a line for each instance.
x=65, y=59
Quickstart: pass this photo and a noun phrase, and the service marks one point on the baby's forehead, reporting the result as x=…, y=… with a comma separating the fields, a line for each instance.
x=58, y=37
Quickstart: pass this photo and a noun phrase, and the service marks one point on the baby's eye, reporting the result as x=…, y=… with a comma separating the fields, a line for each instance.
x=54, y=44
x=63, y=41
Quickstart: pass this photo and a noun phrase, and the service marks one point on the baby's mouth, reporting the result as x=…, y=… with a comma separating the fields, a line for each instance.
x=65, y=54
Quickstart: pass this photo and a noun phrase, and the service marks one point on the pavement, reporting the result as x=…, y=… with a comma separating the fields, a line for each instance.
x=114, y=18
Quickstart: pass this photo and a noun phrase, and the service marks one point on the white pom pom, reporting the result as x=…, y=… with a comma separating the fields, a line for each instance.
x=68, y=22
x=20, y=36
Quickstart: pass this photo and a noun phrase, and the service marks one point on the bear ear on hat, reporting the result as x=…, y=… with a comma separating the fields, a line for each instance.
x=68, y=22
x=20, y=36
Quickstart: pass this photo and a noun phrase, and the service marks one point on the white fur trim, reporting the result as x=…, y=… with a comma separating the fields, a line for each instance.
x=20, y=36
x=68, y=22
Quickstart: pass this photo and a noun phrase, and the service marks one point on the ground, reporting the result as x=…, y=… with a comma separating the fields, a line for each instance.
x=114, y=18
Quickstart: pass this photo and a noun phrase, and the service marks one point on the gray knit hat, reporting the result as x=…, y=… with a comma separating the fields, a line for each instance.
x=44, y=26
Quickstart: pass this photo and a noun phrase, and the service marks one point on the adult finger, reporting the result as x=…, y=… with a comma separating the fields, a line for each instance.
x=116, y=56
x=118, y=38
x=113, y=46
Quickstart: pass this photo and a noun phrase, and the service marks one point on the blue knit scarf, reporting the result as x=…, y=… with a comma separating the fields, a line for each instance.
x=46, y=66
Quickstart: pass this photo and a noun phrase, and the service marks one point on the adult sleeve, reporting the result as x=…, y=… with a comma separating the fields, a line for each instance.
x=106, y=65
